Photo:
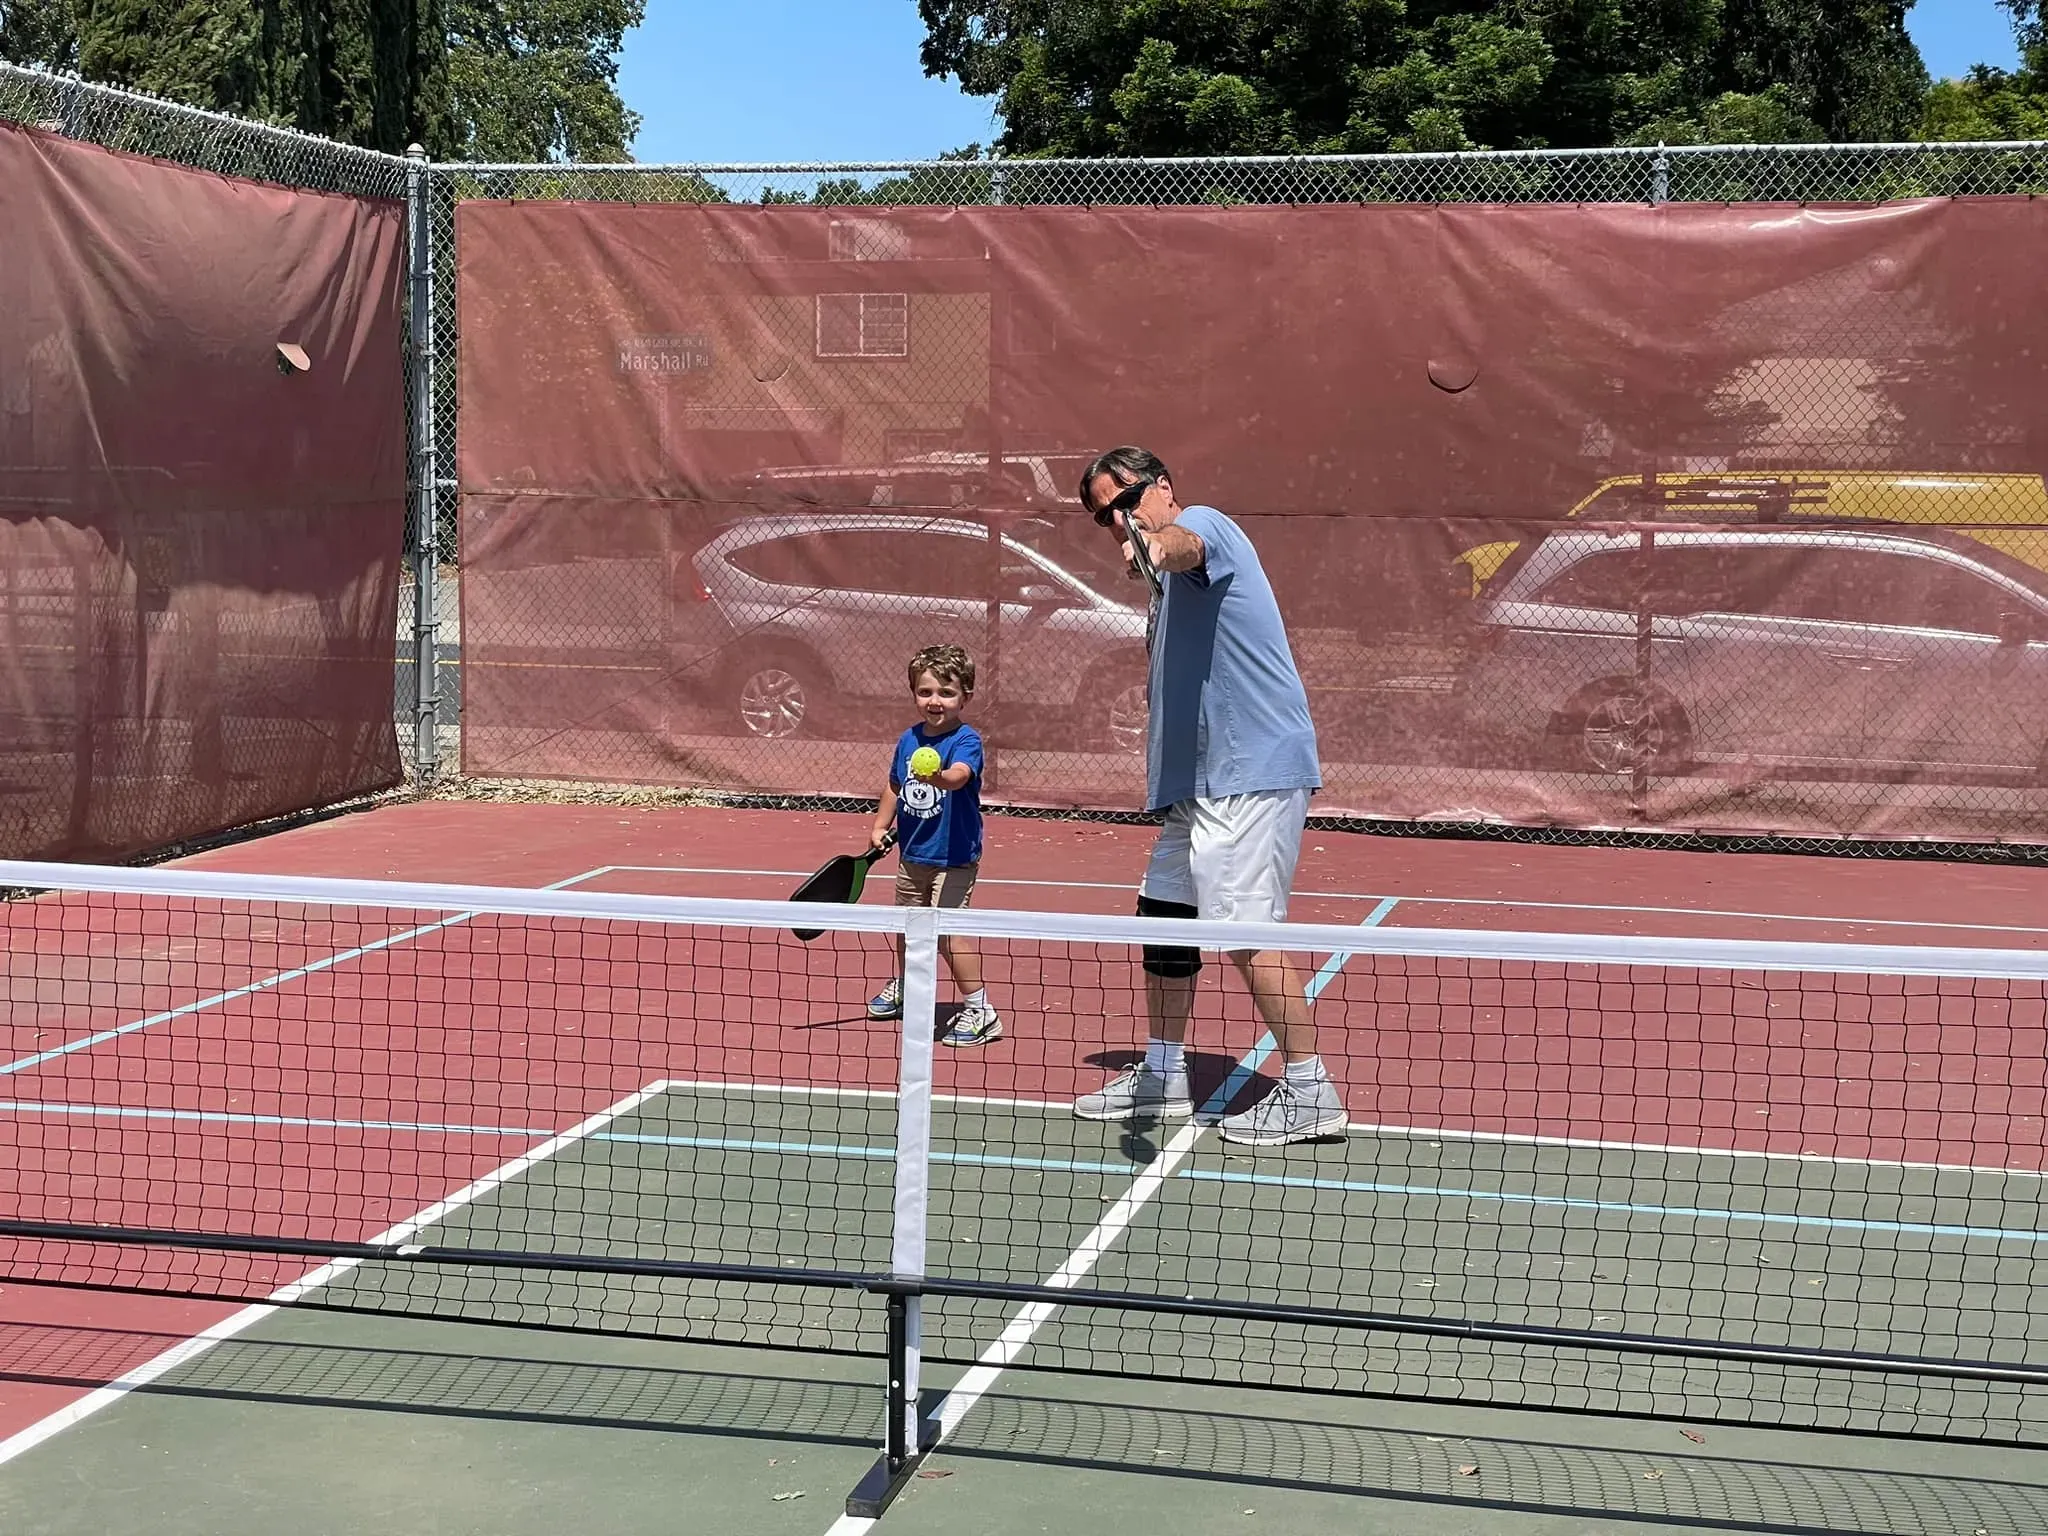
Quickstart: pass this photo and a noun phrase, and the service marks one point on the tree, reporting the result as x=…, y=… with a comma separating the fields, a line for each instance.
x=41, y=32
x=526, y=80
x=535, y=79
x=1995, y=103
x=1193, y=77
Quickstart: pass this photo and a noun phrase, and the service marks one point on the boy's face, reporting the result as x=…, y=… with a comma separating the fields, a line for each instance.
x=939, y=700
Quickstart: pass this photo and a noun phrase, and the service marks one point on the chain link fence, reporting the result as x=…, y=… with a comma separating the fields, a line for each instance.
x=193, y=589
x=1642, y=765
x=645, y=692
x=206, y=141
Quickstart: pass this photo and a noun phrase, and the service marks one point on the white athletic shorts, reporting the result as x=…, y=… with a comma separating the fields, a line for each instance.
x=1233, y=858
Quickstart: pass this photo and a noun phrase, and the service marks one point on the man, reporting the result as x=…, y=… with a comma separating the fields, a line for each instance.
x=1231, y=760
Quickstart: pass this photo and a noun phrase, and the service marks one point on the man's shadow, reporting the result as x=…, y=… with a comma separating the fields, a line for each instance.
x=1209, y=1076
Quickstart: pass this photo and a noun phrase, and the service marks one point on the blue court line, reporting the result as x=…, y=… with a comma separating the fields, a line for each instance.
x=888, y=1153
x=298, y=973
x=1623, y=1207
x=1065, y=1165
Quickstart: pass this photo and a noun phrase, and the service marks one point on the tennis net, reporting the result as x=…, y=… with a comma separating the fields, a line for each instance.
x=1772, y=1183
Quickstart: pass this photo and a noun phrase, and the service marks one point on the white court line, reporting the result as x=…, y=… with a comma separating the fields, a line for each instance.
x=717, y=1085
x=1413, y=901
x=191, y=1349
x=1017, y=1334
x=250, y=989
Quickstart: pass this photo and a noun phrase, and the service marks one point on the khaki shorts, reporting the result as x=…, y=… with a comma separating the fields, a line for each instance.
x=934, y=885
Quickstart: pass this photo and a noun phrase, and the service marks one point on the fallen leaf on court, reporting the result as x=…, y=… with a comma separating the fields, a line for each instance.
x=1653, y=1476
x=1694, y=1435
x=1468, y=1471
x=936, y=1472
x=781, y=1496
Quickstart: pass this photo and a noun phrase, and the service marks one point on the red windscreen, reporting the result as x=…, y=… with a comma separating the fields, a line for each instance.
x=199, y=540
x=1686, y=516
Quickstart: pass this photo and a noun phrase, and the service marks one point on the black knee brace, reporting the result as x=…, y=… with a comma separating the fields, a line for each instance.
x=1165, y=959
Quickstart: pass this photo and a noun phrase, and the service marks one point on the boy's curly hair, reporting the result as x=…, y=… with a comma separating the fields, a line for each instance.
x=947, y=663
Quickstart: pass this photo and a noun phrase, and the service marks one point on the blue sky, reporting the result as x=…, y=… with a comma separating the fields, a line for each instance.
x=820, y=80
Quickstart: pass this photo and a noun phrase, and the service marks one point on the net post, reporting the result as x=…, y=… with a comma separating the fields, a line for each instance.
x=896, y=1437
x=904, y=1439
x=425, y=535
x=914, y=1137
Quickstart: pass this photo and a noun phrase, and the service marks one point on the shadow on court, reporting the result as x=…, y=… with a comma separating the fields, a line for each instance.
x=330, y=1422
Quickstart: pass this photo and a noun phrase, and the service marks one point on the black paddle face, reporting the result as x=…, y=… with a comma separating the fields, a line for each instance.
x=839, y=881
x=835, y=882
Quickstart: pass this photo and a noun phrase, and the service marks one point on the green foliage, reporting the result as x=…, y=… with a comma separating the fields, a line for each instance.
x=39, y=32
x=1084, y=78
x=536, y=79
x=519, y=80
x=1995, y=103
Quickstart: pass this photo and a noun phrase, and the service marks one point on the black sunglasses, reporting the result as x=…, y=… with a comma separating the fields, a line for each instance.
x=1125, y=500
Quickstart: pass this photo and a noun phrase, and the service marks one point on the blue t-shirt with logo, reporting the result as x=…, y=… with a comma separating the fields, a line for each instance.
x=934, y=825
x=1228, y=713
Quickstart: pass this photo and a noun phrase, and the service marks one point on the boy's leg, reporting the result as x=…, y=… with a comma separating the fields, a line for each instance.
x=976, y=1023
x=914, y=888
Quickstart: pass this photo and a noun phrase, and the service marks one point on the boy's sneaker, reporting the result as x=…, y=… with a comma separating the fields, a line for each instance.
x=1288, y=1113
x=887, y=1003
x=974, y=1024
x=1136, y=1091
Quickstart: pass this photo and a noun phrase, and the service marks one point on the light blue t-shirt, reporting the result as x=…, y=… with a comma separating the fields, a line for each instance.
x=1228, y=713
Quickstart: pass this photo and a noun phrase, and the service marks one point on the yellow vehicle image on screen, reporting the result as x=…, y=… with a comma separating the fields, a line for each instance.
x=2008, y=513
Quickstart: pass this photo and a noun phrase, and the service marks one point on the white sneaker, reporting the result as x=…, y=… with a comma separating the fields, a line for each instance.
x=1137, y=1091
x=1288, y=1113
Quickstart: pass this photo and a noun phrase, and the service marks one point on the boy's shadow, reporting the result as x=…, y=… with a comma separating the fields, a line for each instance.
x=943, y=1015
x=1208, y=1076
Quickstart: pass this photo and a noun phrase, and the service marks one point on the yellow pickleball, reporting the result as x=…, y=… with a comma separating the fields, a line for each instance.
x=924, y=762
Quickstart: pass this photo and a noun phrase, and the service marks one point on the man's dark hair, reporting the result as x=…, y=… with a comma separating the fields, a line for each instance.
x=1126, y=465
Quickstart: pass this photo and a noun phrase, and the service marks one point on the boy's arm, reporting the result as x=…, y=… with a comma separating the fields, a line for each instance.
x=885, y=817
x=960, y=774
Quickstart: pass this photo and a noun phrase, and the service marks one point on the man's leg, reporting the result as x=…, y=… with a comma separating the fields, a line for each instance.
x=1279, y=989
x=1243, y=854
x=1158, y=1085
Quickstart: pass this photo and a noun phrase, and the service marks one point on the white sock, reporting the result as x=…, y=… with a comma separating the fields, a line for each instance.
x=1306, y=1074
x=1163, y=1057
x=978, y=998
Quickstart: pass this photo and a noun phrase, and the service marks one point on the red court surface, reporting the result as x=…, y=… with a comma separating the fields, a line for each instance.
x=1941, y=1072
x=1094, y=867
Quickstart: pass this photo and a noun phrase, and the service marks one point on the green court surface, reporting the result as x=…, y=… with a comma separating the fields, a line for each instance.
x=315, y=1421
x=318, y=1423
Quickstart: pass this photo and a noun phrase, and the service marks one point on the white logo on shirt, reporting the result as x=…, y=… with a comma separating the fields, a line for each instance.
x=921, y=799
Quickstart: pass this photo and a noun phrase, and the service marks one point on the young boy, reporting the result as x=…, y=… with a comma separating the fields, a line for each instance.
x=937, y=816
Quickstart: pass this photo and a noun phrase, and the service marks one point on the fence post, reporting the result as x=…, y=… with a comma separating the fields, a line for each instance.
x=996, y=486
x=1660, y=175
x=425, y=552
